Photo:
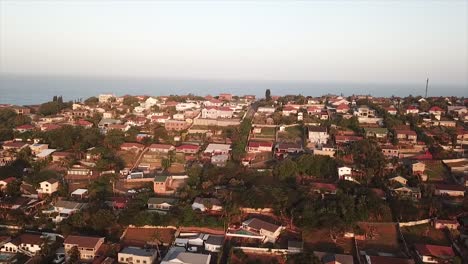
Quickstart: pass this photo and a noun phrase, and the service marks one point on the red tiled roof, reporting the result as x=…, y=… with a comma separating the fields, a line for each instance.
x=82, y=122
x=82, y=241
x=449, y=187
x=9, y=179
x=131, y=145
x=187, y=146
x=14, y=144
x=25, y=127
x=434, y=250
x=325, y=186
x=256, y=144
x=160, y=146
x=436, y=109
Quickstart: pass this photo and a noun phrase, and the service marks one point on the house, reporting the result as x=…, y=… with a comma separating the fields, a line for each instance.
x=26, y=243
x=266, y=110
x=48, y=187
x=458, y=110
x=217, y=149
x=84, y=123
x=449, y=190
x=60, y=156
x=387, y=260
x=409, y=136
x=4, y=183
x=376, y=132
x=288, y=148
x=163, y=204
x=418, y=167
x=399, y=179
x=342, y=108
x=315, y=110
x=391, y=110
x=207, y=204
x=217, y=112
x=165, y=185
x=79, y=194
x=212, y=102
x=86, y=245
x=317, y=134
x=260, y=146
x=332, y=258
x=187, y=149
x=413, y=193
x=364, y=111
x=270, y=231
x=214, y=243
x=178, y=116
x=434, y=253
x=175, y=125
x=437, y=111
x=132, y=255
x=324, y=188
x=178, y=255
x=105, y=98
x=288, y=110
x=132, y=146
x=390, y=151
x=449, y=224
x=62, y=209
x=343, y=172
x=14, y=145
x=412, y=110
x=219, y=160
x=457, y=166
x=25, y=128
x=345, y=139
x=225, y=97
x=161, y=148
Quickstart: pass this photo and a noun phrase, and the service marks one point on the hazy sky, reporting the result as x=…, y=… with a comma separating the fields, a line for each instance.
x=358, y=41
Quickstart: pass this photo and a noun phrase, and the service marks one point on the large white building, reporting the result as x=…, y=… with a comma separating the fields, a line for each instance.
x=104, y=98
x=217, y=112
x=318, y=135
x=137, y=255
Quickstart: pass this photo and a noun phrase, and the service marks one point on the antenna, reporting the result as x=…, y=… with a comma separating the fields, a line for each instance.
x=427, y=84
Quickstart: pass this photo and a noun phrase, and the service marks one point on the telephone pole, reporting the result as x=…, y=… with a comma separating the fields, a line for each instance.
x=427, y=84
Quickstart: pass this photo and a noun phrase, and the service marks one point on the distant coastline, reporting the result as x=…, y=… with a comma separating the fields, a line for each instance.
x=25, y=90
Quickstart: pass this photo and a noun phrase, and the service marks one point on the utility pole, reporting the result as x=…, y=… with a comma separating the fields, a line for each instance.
x=427, y=84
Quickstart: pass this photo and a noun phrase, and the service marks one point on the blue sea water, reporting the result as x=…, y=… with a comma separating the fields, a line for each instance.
x=25, y=90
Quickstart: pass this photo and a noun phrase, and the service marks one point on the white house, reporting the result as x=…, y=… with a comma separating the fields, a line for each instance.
x=344, y=173
x=137, y=255
x=268, y=230
x=214, y=243
x=318, y=135
x=104, y=98
x=434, y=254
x=178, y=255
x=206, y=204
x=29, y=244
x=64, y=209
x=217, y=112
x=48, y=187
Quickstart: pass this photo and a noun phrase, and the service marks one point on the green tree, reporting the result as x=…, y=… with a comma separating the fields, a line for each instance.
x=268, y=95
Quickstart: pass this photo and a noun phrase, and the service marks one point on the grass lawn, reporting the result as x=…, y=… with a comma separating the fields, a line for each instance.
x=424, y=234
x=129, y=157
x=294, y=133
x=436, y=171
x=380, y=237
x=319, y=239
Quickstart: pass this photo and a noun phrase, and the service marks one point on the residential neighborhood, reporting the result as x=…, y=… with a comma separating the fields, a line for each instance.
x=235, y=179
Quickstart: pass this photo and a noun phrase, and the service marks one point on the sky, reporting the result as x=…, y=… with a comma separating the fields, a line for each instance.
x=340, y=41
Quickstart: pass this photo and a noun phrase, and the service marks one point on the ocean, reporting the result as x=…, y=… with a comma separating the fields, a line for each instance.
x=27, y=90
